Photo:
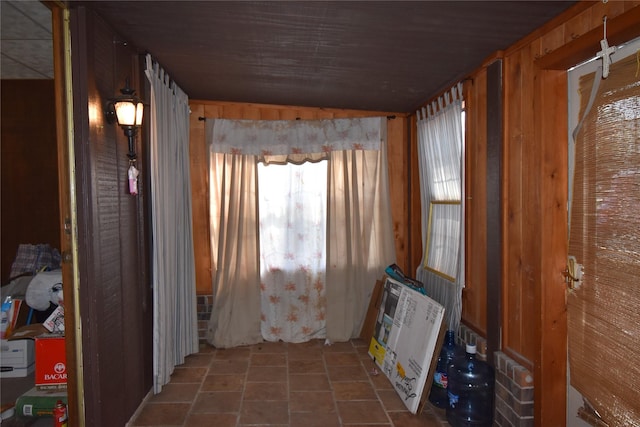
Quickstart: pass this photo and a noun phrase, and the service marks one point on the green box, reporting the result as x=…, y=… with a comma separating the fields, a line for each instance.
x=39, y=403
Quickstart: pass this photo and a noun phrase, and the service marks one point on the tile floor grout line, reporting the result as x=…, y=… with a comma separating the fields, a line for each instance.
x=333, y=393
x=375, y=389
x=286, y=364
x=244, y=384
x=202, y=381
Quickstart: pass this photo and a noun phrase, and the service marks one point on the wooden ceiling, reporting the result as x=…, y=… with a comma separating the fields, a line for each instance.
x=369, y=55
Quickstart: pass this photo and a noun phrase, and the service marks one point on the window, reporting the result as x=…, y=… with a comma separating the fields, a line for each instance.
x=443, y=240
x=445, y=213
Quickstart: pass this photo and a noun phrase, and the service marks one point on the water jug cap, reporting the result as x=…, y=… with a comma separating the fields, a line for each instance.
x=471, y=348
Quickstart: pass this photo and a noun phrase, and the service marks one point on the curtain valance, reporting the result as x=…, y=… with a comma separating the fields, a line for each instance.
x=265, y=138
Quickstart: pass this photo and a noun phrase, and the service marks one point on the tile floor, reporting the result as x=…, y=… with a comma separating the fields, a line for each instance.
x=279, y=384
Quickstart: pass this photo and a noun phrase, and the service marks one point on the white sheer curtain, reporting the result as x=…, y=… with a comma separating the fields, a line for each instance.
x=440, y=149
x=175, y=329
x=293, y=211
x=360, y=243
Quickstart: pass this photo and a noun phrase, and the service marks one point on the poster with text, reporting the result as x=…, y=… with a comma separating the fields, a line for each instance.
x=405, y=339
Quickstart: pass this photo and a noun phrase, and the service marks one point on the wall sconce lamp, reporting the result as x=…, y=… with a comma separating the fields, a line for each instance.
x=127, y=110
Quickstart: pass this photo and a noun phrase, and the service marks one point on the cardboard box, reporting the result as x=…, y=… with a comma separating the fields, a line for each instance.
x=16, y=358
x=51, y=362
x=408, y=331
x=39, y=403
x=369, y=324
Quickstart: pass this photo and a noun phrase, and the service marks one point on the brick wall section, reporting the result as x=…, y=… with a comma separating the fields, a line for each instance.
x=513, y=386
x=514, y=393
x=204, y=313
x=467, y=336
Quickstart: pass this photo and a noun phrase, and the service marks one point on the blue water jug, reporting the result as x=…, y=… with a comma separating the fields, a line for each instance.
x=470, y=389
x=438, y=395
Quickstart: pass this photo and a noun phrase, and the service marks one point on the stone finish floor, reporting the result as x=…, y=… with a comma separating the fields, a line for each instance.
x=278, y=385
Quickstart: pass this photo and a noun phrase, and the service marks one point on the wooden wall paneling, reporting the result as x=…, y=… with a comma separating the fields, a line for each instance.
x=399, y=166
x=552, y=24
x=232, y=111
x=106, y=148
x=199, y=173
x=89, y=254
x=526, y=269
x=474, y=294
x=620, y=29
x=288, y=114
x=520, y=196
x=550, y=373
x=325, y=114
x=134, y=310
x=30, y=211
x=415, y=213
x=116, y=333
x=577, y=26
x=251, y=112
x=552, y=40
x=269, y=114
x=610, y=8
x=514, y=194
x=308, y=115
x=210, y=110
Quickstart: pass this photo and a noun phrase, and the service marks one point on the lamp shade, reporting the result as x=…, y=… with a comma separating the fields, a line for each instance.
x=129, y=112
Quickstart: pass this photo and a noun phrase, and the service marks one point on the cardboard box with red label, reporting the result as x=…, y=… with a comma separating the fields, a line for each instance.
x=50, y=356
x=51, y=362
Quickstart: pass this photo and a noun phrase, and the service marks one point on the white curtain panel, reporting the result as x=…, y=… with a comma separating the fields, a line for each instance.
x=441, y=165
x=175, y=328
x=235, y=253
x=360, y=242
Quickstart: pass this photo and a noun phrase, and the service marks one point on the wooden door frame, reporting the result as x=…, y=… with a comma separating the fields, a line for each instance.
x=68, y=224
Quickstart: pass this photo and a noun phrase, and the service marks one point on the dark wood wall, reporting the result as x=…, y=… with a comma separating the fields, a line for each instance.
x=30, y=212
x=114, y=283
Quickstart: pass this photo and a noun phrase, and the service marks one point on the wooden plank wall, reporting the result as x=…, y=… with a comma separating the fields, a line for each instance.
x=534, y=192
x=400, y=165
x=114, y=287
x=521, y=180
x=529, y=161
x=30, y=212
x=474, y=295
